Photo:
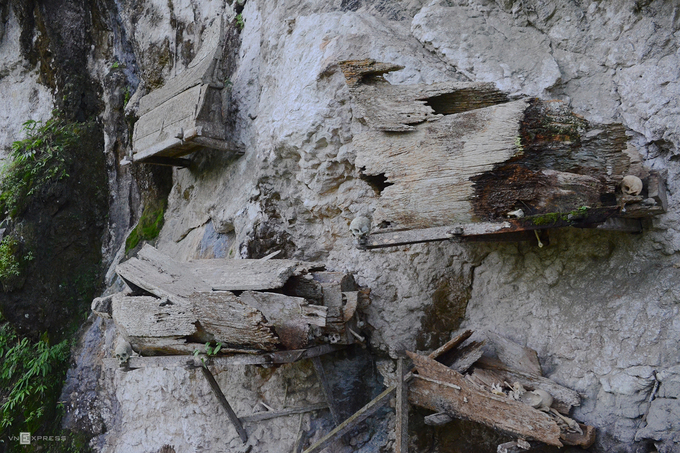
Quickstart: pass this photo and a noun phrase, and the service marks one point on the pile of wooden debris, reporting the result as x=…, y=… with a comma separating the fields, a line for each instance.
x=506, y=392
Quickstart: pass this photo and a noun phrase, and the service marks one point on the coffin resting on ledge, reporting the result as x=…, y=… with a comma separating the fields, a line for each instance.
x=187, y=112
x=464, y=161
x=248, y=306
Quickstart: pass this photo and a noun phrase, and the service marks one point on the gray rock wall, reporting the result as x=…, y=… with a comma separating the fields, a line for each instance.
x=600, y=308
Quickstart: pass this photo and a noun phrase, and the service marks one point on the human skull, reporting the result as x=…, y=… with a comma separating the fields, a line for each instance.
x=334, y=338
x=123, y=352
x=360, y=227
x=631, y=185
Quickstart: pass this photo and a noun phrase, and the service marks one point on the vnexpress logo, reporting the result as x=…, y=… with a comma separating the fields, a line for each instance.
x=24, y=438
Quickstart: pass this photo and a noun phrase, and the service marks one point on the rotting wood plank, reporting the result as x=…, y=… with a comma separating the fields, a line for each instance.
x=225, y=404
x=477, y=405
x=348, y=425
x=268, y=415
x=441, y=354
x=290, y=316
x=514, y=355
x=435, y=188
x=585, y=440
x=401, y=429
x=238, y=358
x=466, y=356
x=438, y=419
x=490, y=370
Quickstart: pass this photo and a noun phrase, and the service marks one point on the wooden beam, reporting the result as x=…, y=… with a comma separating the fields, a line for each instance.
x=438, y=419
x=189, y=361
x=466, y=356
x=440, y=354
x=401, y=444
x=352, y=422
x=225, y=404
x=267, y=415
x=166, y=161
x=514, y=355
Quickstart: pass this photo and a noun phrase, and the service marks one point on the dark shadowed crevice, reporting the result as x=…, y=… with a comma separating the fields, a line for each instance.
x=377, y=182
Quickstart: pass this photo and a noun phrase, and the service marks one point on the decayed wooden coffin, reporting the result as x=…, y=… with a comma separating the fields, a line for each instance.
x=464, y=160
x=246, y=305
x=187, y=112
x=509, y=395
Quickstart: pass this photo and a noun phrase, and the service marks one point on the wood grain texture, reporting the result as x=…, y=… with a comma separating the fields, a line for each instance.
x=430, y=169
x=472, y=403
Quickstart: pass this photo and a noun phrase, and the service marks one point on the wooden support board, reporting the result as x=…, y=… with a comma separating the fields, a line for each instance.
x=401, y=443
x=267, y=359
x=214, y=386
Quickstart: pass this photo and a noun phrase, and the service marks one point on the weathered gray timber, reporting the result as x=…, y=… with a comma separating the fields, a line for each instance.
x=472, y=403
x=237, y=358
x=454, y=155
x=175, y=308
x=187, y=112
x=514, y=355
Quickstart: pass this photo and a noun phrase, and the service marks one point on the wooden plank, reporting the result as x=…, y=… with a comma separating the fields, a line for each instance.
x=490, y=371
x=466, y=356
x=441, y=353
x=514, y=355
x=438, y=419
x=477, y=405
x=290, y=316
x=435, y=188
x=167, y=161
x=225, y=404
x=585, y=440
x=225, y=318
x=348, y=425
x=237, y=357
x=200, y=70
x=401, y=429
x=268, y=415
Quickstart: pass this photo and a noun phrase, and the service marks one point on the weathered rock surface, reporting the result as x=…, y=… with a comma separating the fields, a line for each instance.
x=601, y=308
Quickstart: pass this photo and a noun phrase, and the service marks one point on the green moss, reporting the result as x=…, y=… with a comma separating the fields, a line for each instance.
x=148, y=227
x=547, y=219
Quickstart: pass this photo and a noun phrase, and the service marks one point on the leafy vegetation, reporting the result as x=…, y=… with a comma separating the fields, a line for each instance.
x=12, y=262
x=149, y=225
x=240, y=23
x=40, y=158
x=31, y=377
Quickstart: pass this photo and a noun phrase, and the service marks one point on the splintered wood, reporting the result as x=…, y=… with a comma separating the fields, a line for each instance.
x=174, y=308
x=452, y=155
x=494, y=394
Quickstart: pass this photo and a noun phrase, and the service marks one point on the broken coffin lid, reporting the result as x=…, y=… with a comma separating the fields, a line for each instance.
x=187, y=112
x=465, y=161
x=174, y=307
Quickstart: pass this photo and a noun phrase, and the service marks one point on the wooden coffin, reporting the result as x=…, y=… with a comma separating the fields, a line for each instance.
x=174, y=307
x=463, y=161
x=187, y=112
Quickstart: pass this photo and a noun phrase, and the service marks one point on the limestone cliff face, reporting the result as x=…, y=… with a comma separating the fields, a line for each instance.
x=601, y=308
